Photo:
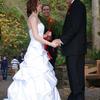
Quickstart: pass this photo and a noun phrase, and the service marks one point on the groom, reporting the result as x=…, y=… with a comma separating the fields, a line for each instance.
x=74, y=45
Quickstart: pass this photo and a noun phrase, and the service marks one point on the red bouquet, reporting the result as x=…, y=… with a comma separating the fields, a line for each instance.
x=48, y=34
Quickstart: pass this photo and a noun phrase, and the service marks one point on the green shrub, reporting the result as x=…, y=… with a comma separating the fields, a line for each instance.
x=60, y=58
x=13, y=34
x=95, y=54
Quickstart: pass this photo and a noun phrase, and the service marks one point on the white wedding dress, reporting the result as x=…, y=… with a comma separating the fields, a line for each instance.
x=36, y=79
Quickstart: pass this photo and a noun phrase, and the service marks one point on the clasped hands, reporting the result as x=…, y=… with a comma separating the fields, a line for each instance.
x=56, y=43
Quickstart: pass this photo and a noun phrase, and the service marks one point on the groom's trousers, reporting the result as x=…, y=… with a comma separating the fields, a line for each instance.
x=75, y=67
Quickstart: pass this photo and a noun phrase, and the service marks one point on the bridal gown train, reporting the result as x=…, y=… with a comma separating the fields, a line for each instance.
x=36, y=79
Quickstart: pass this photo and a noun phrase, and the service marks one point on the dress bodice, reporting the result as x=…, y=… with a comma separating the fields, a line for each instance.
x=40, y=31
x=34, y=42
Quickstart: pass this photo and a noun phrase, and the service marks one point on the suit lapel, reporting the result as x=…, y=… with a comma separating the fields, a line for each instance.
x=71, y=6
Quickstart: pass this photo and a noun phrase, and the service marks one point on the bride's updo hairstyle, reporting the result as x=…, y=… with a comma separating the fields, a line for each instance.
x=31, y=6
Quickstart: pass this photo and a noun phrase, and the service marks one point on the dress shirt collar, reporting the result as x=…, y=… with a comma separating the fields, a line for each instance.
x=72, y=1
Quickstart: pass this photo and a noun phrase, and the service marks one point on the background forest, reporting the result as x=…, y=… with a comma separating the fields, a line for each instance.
x=14, y=32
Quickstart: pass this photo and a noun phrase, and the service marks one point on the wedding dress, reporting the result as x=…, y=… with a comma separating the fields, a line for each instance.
x=35, y=79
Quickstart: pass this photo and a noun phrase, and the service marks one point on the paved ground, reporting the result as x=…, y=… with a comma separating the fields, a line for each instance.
x=91, y=93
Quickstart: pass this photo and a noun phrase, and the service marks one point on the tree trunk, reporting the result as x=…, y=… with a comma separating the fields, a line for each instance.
x=96, y=24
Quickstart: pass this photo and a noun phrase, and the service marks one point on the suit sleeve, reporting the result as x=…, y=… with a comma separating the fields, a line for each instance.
x=76, y=18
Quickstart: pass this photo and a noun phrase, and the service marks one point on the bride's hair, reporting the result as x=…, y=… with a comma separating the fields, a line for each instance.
x=31, y=6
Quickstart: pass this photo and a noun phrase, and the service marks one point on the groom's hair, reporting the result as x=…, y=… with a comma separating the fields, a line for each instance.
x=31, y=6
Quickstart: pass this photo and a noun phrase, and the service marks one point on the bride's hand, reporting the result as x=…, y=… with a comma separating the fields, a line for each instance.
x=54, y=44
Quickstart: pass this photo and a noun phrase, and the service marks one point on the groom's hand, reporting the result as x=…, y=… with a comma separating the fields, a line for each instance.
x=58, y=42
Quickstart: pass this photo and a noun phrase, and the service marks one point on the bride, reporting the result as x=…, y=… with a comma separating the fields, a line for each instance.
x=36, y=79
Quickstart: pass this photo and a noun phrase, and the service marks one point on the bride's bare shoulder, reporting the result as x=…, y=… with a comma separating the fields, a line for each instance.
x=32, y=18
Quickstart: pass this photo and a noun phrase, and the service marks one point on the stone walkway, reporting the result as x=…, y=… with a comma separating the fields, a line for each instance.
x=91, y=93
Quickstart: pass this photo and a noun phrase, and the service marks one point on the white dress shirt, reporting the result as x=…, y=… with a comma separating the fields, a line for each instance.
x=72, y=1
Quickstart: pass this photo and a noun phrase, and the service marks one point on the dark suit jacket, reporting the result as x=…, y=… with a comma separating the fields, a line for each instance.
x=74, y=30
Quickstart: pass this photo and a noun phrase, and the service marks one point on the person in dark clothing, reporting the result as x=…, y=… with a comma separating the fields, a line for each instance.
x=21, y=57
x=50, y=25
x=74, y=46
x=4, y=67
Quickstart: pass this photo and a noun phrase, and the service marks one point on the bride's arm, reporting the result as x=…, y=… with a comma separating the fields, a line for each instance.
x=34, y=25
